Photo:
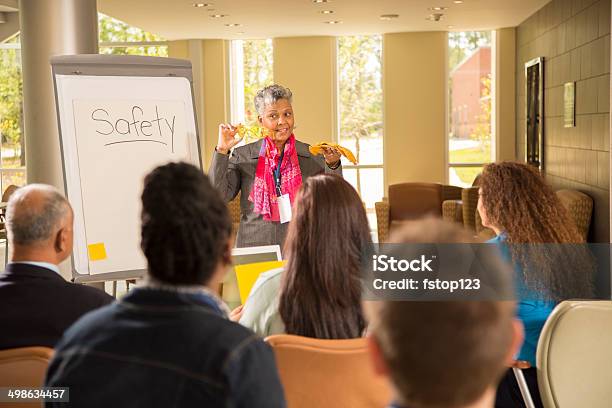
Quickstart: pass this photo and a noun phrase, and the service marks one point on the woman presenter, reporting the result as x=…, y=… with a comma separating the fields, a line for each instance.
x=268, y=172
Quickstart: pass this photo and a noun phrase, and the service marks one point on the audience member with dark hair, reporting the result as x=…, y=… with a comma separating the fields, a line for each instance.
x=442, y=354
x=320, y=286
x=170, y=343
x=517, y=204
x=37, y=304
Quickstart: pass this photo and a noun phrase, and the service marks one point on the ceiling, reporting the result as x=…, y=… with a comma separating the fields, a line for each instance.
x=179, y=19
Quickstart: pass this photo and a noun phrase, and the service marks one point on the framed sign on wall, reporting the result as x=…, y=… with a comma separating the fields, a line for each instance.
x=534, y=112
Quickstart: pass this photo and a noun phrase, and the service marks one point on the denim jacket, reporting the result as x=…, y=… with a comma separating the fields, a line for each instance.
x=164, y=348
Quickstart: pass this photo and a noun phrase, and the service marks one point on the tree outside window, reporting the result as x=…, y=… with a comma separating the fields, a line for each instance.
x=360, y=113
x=12, y=142
x=111, y=30
x=251, y=70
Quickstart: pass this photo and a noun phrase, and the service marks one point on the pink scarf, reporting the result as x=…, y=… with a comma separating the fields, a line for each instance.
x=263, y=192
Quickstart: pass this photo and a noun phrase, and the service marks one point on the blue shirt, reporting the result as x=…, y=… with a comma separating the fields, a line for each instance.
x=532, y=309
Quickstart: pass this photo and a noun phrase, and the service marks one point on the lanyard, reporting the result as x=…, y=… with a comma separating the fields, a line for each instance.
x=277, y=174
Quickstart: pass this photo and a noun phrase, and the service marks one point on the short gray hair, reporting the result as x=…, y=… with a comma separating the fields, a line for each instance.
x=269, y=95
x=29, y=222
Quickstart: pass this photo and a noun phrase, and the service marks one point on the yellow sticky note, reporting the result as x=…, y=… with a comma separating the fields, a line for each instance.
x=247, y=274
x=97, y=252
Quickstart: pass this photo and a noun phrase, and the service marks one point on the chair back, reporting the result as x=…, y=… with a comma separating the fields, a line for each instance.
x=469, y=201
x=234, y=211
x=8, y=192
x=580, y=208
x=5, y=197
x=409, y=201
x=24, y=367
x=328, y=373
x=574, y=356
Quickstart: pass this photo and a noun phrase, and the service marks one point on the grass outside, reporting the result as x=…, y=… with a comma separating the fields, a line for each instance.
x=471, y=155
x=466, y=174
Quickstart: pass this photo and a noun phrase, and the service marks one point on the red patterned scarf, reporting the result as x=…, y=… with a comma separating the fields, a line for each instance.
x=263, y=194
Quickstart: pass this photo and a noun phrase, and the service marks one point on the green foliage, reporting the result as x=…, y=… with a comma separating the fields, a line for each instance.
x=11, y=107
x=113, y=30
x=482, y=131
x=257, y=57
x=360, y=87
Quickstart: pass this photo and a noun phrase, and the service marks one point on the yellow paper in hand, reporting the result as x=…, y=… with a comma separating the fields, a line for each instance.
x=318, y=149
x=247, y=274
x=252, y=133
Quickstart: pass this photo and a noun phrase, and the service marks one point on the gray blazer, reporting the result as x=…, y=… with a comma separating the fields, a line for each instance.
x=236, y=172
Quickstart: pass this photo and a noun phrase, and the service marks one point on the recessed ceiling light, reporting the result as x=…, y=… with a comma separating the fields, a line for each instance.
x=439, y=8
x=435, y=17
x=333, y=22
x=233, y=25
x=218, y=15
x=326, y=11
x=450, y=27
x=198, y=5
x=240, y=32
x=387, y=17
x=458, y=1
x=320, y=1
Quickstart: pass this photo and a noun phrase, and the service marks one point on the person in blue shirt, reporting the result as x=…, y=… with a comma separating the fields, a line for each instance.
x=521, y=208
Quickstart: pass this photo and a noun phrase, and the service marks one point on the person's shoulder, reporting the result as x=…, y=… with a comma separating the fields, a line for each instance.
x=232, y=339
x=271, y=277
x=303, y=152
x=240, y=340
x=266, y=285
x=303, y=149
x=301, y=144
x=498, y=239
x=87, y=295
x=89, y=324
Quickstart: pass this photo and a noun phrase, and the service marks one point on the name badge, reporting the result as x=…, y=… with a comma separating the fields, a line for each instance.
x=284, y=208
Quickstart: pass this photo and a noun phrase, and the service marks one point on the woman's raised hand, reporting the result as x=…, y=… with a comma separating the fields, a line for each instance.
x=227, y=138
x=332, y=155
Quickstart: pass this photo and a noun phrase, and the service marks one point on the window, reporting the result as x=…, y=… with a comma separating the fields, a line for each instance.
x=117, y=37
x=251, y=70
x=360, y=115
x=12, y=140
x=470, y=85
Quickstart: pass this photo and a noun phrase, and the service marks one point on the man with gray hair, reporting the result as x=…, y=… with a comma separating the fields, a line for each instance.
x=37, y=304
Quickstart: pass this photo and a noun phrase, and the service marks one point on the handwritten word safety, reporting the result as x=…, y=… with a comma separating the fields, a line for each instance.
x=140, y=126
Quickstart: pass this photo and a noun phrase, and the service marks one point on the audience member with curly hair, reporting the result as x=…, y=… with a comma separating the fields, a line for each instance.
x=526, y=216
